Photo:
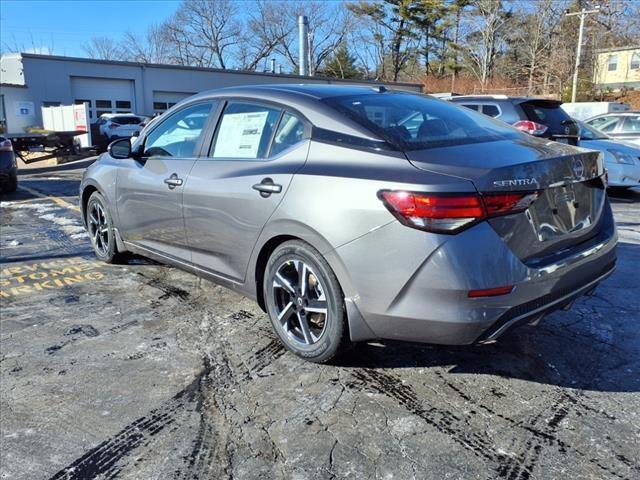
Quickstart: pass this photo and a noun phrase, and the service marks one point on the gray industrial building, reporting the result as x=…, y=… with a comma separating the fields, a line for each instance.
x=30, y=81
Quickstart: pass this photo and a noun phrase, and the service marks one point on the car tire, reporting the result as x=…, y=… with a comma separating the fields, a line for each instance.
x=298, y=286
x=100, y=229
x=12, y=184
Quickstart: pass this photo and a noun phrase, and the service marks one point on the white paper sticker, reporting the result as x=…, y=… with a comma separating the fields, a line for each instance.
x=240, y=134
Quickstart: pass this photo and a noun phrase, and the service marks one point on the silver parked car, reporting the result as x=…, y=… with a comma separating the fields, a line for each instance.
x=352, y=213
x=622, y=126
x=622, y=160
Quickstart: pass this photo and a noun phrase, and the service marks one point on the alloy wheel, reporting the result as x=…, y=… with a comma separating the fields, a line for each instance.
x=99, y=228
x=300, y=302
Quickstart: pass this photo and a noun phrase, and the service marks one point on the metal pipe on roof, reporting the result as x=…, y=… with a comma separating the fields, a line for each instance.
x=303, y=44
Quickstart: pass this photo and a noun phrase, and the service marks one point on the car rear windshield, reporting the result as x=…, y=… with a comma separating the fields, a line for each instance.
x=547, y=113
x=126, y=120
x=414, y=122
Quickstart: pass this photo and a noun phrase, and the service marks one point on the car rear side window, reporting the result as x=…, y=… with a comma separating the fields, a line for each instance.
x=631, y=124
x=491, y=110
x=178, y=135
x=412, y=122
x=472, y=107
x=290, y=131
x=244, y=131
x=129, y=120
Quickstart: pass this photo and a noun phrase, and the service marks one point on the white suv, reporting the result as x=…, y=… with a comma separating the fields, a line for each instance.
x=120, y=125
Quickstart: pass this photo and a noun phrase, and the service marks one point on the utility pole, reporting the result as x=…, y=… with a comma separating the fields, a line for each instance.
x=583, y=13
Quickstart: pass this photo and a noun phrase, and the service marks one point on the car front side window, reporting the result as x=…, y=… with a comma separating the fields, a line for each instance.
x=178, y=135
x=604, y=124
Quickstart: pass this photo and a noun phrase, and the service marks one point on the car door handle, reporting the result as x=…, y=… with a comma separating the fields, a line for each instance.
x=173, y=181
x=267, y=187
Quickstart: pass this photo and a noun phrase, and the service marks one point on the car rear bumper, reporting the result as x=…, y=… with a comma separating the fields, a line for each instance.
x=404, y=294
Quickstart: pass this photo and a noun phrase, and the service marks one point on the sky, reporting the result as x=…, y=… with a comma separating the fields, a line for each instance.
x=66, y=25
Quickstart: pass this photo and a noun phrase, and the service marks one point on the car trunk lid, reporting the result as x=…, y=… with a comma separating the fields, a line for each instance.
x=570, y=190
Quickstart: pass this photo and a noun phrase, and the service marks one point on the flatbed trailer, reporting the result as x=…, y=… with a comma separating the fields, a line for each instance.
x=53, y=144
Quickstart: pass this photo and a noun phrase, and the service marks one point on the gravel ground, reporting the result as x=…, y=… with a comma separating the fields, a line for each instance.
x=142, y=371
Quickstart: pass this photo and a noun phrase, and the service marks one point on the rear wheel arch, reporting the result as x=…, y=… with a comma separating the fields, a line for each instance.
x=261, y=263
x=86, y=194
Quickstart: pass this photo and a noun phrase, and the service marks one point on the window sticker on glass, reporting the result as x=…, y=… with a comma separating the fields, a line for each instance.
x=240, y=135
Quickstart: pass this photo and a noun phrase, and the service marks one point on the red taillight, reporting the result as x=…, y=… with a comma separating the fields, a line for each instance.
x=113, y=125
x=490, y=292
x=506, y=203
x=449, y=213
x=6, y=146
x=532, y=128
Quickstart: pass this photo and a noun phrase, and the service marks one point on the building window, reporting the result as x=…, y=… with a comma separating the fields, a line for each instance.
x=123, y=104
x=160, y=106
x=51, y=104
x=635, y=61
x=612, y=66
x=79, y=101
x=103, y=103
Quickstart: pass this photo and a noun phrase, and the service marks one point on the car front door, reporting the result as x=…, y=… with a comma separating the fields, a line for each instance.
x=150, y=188
x=234, y=190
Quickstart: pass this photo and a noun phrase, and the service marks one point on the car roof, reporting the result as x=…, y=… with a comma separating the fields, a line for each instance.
x=516, y=100
x=317, y=91
x=632, y=113
x=304, y=99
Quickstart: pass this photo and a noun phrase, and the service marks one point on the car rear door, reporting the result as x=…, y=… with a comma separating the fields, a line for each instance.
x=236, y=187
x=150, y=189
x=630, y=129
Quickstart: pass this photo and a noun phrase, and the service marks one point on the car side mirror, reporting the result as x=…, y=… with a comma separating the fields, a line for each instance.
x=136, y=133
x=120, y=149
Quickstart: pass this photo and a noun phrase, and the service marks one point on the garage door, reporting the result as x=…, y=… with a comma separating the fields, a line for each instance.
x=104, y=95
x=164, y=100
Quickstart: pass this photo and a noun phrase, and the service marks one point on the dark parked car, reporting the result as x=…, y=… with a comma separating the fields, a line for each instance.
x=8, y=167
x=352, y=214
x=539, y=117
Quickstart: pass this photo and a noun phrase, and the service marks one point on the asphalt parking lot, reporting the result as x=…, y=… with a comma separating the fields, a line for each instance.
x=142, y=371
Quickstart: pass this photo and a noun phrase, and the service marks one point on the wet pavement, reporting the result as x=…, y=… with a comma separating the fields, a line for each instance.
x=142, y=371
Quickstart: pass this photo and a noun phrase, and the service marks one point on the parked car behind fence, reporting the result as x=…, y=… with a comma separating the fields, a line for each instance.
x=539, y=117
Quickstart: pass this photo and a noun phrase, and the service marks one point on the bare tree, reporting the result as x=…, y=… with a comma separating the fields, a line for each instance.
x=482, y=44
x=535, y=37
x=201, y=33
x=328, y=28
x=103, y=48
x=267, y=30
x=39, y=46
x=152, y=47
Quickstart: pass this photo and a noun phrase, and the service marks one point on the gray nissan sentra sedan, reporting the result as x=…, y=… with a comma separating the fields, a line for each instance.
x=356, y=213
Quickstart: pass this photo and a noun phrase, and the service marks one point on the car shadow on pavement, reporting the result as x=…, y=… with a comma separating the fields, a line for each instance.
x=624, y=195
x=540, y=354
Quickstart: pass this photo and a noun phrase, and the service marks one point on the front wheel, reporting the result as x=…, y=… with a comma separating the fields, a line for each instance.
x=100, y=230
x=305, y=302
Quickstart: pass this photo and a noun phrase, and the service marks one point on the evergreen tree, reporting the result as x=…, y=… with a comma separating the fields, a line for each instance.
x=341, y=64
